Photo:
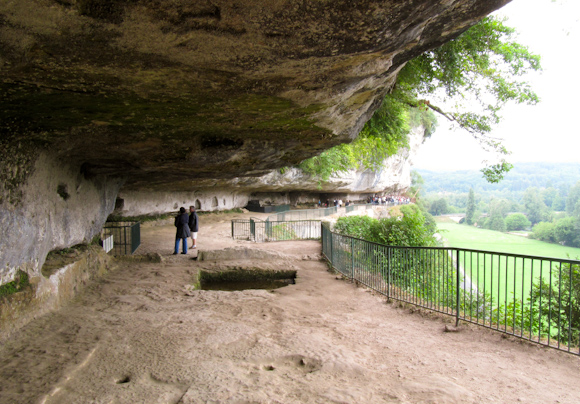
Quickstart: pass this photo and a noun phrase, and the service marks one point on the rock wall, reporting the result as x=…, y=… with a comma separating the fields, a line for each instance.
x=51, y=289
x=135, y=203
x=199, y=100
x=290, y=187
x=47, y=204
x=394, y=176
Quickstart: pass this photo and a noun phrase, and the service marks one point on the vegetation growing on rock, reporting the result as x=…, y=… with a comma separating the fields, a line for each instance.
x=413, y=229
x=480, y=71
x=20, y=283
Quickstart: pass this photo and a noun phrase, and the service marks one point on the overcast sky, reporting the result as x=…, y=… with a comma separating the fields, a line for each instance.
x=548, y=131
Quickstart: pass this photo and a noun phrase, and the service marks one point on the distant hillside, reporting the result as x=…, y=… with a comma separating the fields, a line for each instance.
x=524, y=175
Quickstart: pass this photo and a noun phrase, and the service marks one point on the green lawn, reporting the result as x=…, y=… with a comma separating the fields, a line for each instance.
x=504, y=277
x=462, y=236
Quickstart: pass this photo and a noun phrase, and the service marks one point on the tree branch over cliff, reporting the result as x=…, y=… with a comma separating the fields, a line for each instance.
x=472, y=77
x=467, y=80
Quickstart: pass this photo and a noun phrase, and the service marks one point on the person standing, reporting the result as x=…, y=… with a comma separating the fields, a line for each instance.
x=193, y=225
x=183, y=232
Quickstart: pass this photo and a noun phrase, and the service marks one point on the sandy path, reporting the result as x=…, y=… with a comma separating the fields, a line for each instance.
x=139, y=336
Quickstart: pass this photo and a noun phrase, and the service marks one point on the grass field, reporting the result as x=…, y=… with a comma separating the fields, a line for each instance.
x=462, y=236
x=505, y=277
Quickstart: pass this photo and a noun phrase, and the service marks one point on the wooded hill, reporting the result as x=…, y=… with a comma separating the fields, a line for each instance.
x=524, y=175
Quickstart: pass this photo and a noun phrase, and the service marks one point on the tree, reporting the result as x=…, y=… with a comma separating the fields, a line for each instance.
x=565, y=232
x=496, y=222
x=549, y=195
x=544, y=231
x=573, y=198
x=382, y=136
x=558, y=204
x=534, y=205
x=409, y=231
x=470, y=210
x=439, y=207
x=517, y=221
x=498, y=209
x=417, y=182
x=483, y=66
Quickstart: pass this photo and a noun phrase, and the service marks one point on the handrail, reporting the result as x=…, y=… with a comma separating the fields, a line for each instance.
x=528, y=297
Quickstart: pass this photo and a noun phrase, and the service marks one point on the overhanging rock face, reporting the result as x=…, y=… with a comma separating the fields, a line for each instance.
x=162, y=92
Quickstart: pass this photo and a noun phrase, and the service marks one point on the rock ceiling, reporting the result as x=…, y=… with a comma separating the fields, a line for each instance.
x=161, y=91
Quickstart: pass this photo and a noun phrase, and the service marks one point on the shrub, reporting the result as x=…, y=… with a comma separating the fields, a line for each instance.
x=565, y=232
x=355, y=226
x=544, y=231
x=495, y=222
x=517, y=221
x=411, y=230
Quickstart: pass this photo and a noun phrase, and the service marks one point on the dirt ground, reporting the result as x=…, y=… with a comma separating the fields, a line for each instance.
x=142, y=335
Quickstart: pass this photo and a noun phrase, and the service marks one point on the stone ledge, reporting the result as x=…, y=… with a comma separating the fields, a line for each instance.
x=45, y=294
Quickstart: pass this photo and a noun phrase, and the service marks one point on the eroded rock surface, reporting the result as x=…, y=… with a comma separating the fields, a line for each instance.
x=159, y=91
x=291, y=186
x=166, y=96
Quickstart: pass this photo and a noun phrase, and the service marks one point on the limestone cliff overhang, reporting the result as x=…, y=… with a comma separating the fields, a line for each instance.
x=161, y=92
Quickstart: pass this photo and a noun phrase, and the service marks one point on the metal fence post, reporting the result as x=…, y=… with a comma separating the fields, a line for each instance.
x=352, y=258
x=331, y=235
x=388, y=273
x=458, y=293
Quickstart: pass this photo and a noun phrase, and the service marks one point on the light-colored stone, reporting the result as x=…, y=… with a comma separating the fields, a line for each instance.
x=276, y=188
x=57, y=207
x=52, y=290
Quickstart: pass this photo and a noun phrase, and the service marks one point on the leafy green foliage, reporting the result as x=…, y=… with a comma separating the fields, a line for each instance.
x=544, y=231
x=470, y=209
x=496, y=172
x=382, y=136
x=337, y=159
x=534, y=205
x=417, y=182
x=413, y=229
x=572, y=205
x=517, y=221
x=483, y=64
x=496, y=222
x=355, y=226
x=566, y=231
x=439, y=207
x=19, y=283
x=549, y=195
x=558, y=301
x=481, y=67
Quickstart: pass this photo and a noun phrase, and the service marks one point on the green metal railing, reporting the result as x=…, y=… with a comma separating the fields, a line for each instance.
x=126, y=236
x=263, y=230
x=533, y=298
x=290, y=225
x=302, y=214
x=308, y=214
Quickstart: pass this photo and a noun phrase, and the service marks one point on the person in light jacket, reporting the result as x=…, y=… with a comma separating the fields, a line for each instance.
x=193, y=225
x=183, y=232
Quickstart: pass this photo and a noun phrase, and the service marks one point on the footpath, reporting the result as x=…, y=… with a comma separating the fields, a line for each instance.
x=142, y=334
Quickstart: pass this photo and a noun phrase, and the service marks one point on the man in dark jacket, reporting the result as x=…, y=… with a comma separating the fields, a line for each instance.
x=193, y=225
x=181, y=222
